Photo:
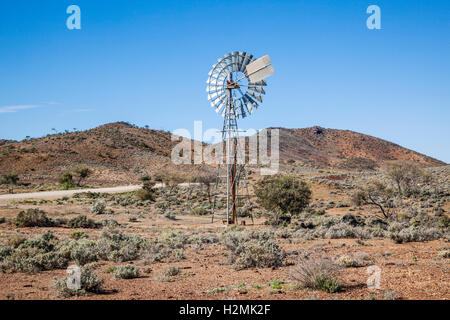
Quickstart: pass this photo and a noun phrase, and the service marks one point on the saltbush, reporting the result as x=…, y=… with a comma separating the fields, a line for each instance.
x=128, y=271
x=89, y=283
x=81, y=222
x=33, y=218
x=99, y=207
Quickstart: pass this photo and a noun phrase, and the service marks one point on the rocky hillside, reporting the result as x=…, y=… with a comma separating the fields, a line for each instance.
x=116, y=152
x=120, y=153
x=3, y=142
x=344, y=148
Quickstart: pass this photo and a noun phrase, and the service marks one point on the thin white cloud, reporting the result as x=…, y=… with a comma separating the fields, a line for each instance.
x=11, y=109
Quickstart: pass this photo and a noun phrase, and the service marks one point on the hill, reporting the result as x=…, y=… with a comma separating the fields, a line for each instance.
x=120, y=153
x=116, y=152
x=344, y=148
x=4, y=142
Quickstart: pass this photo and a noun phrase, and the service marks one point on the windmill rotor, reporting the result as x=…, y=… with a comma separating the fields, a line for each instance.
x=242, y=72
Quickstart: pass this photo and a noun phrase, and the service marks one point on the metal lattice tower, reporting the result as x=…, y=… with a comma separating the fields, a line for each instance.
x=233, y=72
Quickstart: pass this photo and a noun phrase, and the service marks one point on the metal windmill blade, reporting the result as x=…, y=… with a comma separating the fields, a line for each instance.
x=256, y=96
x=257, y=89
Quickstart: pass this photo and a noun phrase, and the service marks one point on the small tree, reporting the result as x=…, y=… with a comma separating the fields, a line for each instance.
x=66, y=180
x=406, y=177
x=377, y=194
x=147, y=192
x=10, y=179
x=206, y=179
x=170, y=179
x=146, y=178
x=282, y=195
x=81, y=172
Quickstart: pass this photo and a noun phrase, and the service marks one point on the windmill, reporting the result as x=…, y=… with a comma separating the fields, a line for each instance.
x=235, y=87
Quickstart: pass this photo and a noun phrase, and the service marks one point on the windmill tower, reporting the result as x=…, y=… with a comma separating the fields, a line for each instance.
x=235, y=87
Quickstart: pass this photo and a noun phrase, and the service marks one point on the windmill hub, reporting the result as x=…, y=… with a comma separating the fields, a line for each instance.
x=232, y=85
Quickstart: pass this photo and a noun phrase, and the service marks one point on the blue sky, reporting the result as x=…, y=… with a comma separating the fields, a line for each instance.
x=146, y=62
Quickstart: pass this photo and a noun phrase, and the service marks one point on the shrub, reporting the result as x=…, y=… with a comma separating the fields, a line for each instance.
x=416, y=234
x=89, y=283
x=47, y=252
x=243, y=212
x=345, y=260
x=78, y=235
x=443, y=253
x=156, y=251
x=216, y=290
x=205, y=239
x=284, y=233
x=33, y=218
x=169, y=215
x=109, y=223
x=81, y=172
x=169, y=273
x=35, y=254
x=178, y=255
x=170, y=179
x=247, y=253
x=340, y=230
x=116, y=246
x=260, y=234
x=206, y=179
x=172, y=271
x=359, y=259
x=126, y=272
x=145, y=178
x=352, y=220
x=444, y=221
x=326, y=284
x=82, y=251
x=66, y=180
x=407, y=177
x=358, y=163
x=81, y=222
x=175, y=239
x=282, y=195
x=315, y=271
x=10, y=179
x=99, y=207
x=262, y=254
x=390, y=295
x=377, y=194
x=200, y=211
x=5, y=251
x=276, y=284
x=146, y=192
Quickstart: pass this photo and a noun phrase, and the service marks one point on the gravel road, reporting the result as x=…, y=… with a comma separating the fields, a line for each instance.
x=67, y=193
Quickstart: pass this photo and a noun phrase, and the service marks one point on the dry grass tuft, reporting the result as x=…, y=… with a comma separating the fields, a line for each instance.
x=316, y=271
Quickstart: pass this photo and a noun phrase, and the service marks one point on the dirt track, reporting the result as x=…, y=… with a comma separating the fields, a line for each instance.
x=62, y=193
x=65, y=193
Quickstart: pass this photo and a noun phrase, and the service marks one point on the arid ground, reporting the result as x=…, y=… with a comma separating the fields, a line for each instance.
x=181, y=254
